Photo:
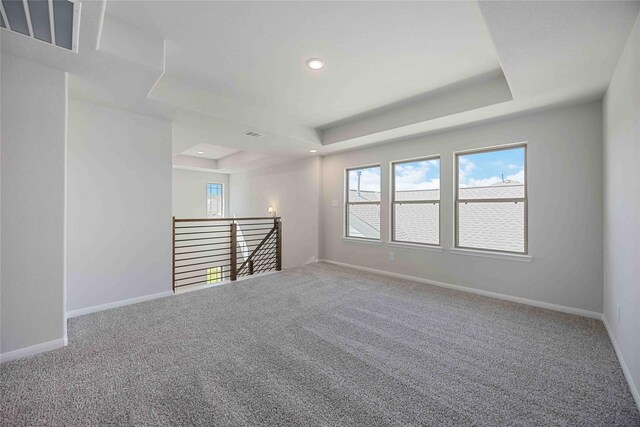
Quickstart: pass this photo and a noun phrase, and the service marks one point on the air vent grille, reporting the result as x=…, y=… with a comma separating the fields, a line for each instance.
x=51, y=21
x=252, y=134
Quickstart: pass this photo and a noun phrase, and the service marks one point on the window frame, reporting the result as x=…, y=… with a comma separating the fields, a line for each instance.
x=394, y=202
x=222, y=204
x=457, y=201
x=347, y=202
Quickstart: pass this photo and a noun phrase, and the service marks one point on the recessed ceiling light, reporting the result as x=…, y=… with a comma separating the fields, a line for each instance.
x=200, y=152
x=313, y=151
x=315, y=63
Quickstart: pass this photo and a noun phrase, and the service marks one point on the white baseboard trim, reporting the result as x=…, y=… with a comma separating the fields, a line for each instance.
x=115, y=304
x=625, y=368
x=32, y=350
x=535, y=303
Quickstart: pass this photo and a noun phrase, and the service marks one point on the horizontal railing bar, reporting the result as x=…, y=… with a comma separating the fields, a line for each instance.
x=205, y=232
x=204, y=250
x=226, y=268
x=227, y=219
x=194, y=276
x=267, y=251
x=266, y=267
x=514, y=200
x=255, y=227
x=223, y=268
x=255, y=223
x=226, y=244
x=265, y=257
x=216, y=256
x=196, y=283
x=203, y=226
x=249, y=235
x=251, y=240
x=200, y=263
x=203, y=238
x=222, y=273
x=196, y=257
x=263, y=263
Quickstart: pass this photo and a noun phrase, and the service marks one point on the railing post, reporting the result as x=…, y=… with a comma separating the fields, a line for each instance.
x=251, y=267
x=234, y=254
x=173, y=256
x=278, y=226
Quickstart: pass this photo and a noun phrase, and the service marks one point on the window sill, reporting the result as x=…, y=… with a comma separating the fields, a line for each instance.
x=490, y=254
x=375, y=242
x=429, y=248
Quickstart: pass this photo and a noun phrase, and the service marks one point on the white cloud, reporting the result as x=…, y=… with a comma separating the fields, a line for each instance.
x=466, y=169
x=413, y=176
x=484, y=182
x=369, y=179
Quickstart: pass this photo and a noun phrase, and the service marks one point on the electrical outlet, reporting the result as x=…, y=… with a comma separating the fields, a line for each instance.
x=392, y=256
x=618, y=314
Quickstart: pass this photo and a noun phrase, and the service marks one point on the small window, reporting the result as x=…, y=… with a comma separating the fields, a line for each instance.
x=214, y=275
x=491, y=200
x=415, y=213
x=363, y=202
x=214, y=200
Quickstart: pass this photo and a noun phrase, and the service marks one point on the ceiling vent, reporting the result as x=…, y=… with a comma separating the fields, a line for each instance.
x=51, y=21
x=252, y=134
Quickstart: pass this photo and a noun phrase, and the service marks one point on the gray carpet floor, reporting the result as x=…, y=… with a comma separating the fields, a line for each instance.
x=323, y=345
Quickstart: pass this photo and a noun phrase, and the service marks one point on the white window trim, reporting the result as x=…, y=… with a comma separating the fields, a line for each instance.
x=206, y=200
x=345, y=219
x=490, y=254
x=392, y=202
x=417, y=246
x=456, y=188
x=366, y=241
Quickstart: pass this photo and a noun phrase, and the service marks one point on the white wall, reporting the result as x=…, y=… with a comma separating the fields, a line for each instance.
x=34, y=120
x=565, y=209
x=293, y=189
x=119, y=205
x=622, y=206
x=190, y=192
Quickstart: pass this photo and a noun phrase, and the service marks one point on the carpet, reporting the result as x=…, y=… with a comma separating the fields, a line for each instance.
x=323, y=345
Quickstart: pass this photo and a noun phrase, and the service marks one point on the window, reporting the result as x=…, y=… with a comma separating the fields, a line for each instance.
x=491, y=199
x=214, y=275
x=415, y=212
x=214, y=200
x=363, y=202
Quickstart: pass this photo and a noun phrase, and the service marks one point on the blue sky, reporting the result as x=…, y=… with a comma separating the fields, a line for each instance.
x=482, y=169
x=369, y=180
x=476, y=170
x=422, y=175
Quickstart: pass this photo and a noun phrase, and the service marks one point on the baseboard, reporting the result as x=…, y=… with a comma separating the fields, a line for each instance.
x=32, y=350
x=115, y=304
x=625, y=368
x=535, y=303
